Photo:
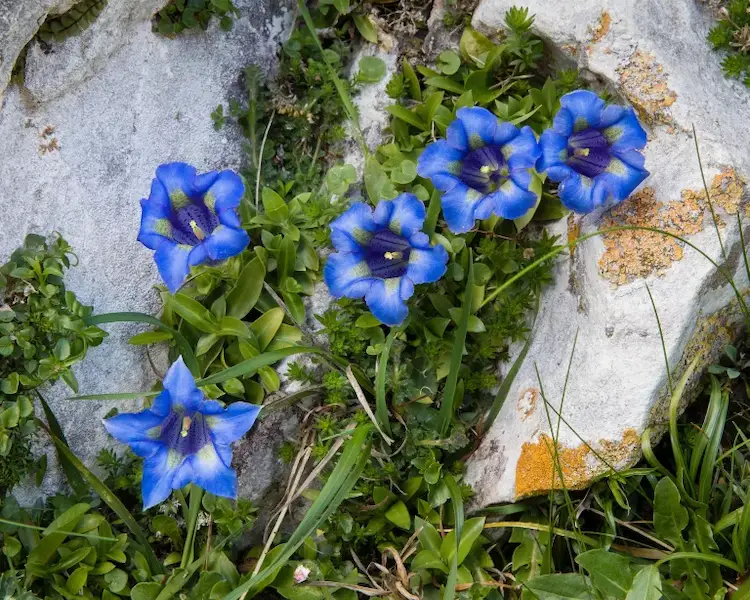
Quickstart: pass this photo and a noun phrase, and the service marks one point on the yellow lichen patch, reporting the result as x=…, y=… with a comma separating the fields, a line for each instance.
x=602, y=28
x=537, y=470
x=526, y=404
x=644, y=83
x=629, y=255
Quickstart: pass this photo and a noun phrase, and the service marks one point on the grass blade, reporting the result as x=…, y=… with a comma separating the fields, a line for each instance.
x=458, y=523
x=381, y=408
x=76, y=482
x=113, y=502
x=185, y=349
x=674, y=439
x=70, y=533
x=449, y=391
x=116, y=396
x=355, y=455
x=253, y=364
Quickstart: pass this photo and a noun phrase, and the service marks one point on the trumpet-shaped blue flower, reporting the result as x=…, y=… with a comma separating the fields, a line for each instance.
x=593, y=151
x=482, y=167
x=189, y=219
x=184, y=438
x=382, y=255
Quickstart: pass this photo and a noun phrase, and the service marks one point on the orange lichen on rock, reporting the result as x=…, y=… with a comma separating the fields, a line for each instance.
x=633, y=254
x=644, y=83
x=537, y=470
x=602, y=28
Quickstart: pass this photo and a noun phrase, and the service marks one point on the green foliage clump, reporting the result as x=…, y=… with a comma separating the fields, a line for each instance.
x=73, y=21
x=732, y=35
x=179, y=15
x=42, y=335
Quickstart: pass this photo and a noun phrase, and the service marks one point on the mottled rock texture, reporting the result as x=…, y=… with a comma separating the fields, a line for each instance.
x=653, y=55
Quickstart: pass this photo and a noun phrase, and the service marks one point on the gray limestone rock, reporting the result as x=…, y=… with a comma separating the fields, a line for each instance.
x=78, y=149
x=652, y=54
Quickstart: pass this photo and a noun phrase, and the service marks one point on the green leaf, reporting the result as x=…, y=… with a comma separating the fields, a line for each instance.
x=251, y=365
x=472, y=530
x=670, y=517
x=274, y=206
x=565, y=586
x=112, y=501
x=415, y=90
x=458, y=518
x=146, y=590
x=10, y=416
x=427, y=534
x=407, y=116
x=371, y=69
x=339, y=178
x=381, y=406
x=377, y=183
x=536, y=188
x=398, y=514
x=405, y=172
x=445, y=83
x=167, y=525
x=428, y=559
x=266, y=326
x=646, y=585
x=150, y=337
x=242, y=297
x=448, y=62
x=473, y=45
x=9, y=385
x=77, y=580
x=55, y=533
x=62, y=349
x=193, y=312
x=286, y=258
x=366, y=320
x=609, y=572
x=366, y=29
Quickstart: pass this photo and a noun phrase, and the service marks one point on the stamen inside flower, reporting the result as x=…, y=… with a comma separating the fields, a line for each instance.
x=186, y=421
x=484, y=169
x=393, y=255
x=588, y=152
x=197, y=230
x=387, y=254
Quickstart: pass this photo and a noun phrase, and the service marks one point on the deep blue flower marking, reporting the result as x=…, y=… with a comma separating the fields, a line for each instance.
x=381, y=255
x=184, y=438
x=593, y=151
x=189, y=219
x=482, y=167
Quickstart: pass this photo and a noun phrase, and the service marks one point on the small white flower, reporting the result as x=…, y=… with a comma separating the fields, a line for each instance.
x=301, y=573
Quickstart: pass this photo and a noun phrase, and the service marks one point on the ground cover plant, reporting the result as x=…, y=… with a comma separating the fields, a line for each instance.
x=439, y=260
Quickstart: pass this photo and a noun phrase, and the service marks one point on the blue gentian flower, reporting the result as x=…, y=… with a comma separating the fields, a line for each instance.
x=184, y=438
x=593, y=151
x=190, y=219
x=482, y=168
x=382, y=255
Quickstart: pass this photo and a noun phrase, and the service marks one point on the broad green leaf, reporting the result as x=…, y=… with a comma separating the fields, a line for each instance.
x=474, y=45
x=9, y=385
x=234, y=326
x=366, y=320
x=445, y=83
x=193, y=312
x=146, y=590
x=11, y=546
x=448, y=62
x=266, y=326
x=415, y=91
x=646, y=585
x=398, y=514
x=428, y=559
x=427, y=534
x=286, y=258
x=72, y=559
x=274, y=206
x=371, y=69
x=55, y=534
x=536, y=188
x=366, y=29
x=609, y=572
x=62, y=349
x=242, y=297
x=472, y=530
x=10, y=416
x=407, y=116
x=377, y=183
x=561, y=586
x=670, y=517
x=77, y=580
x=167, y=525
x=404, y=173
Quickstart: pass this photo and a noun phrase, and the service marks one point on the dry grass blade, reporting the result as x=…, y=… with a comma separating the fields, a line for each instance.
x=363, y=401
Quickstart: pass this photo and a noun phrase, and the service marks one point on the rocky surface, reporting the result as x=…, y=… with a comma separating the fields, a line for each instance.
x=652, y=54
x=78, y=148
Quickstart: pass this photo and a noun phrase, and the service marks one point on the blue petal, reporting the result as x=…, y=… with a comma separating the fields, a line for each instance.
x=135, y=429
x=455, y=134
x=178, y=178
x=226, y=192
x=180, y=384
x=559, y=172
x=426, y=264
x=225, y=242
x=172, y=262
x=204, y=181
x=158, y=474
x=440, y=157
x=353, y=229
x=621, y=178
x=155, y=211
x=211, y=473
x=562, y=123
x=347, y=274
x=385, y=302
x=626, y=133
x=234, y=422
x=458, y=207
x=585, y=107
x=521, y=177
x=512, y=201
x=577, y=193
x=198, y=255
x=479, y=125
x=554, y=151
x=632, y=157
x=610, y=114
x=505, y=132
x=404, y=215
x=522, y=151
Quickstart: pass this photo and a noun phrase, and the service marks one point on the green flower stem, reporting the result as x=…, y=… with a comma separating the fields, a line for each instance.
x=188, y=552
